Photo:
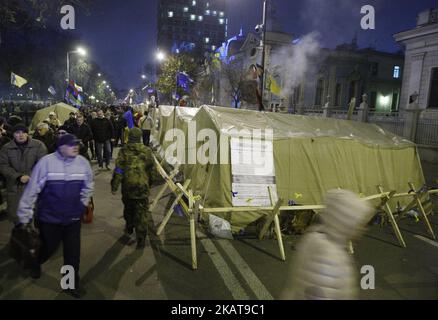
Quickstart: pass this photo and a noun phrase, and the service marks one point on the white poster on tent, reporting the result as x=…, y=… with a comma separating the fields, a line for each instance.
x=253, y=171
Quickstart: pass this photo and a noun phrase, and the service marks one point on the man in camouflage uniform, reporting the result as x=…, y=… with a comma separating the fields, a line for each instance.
x=133, y=170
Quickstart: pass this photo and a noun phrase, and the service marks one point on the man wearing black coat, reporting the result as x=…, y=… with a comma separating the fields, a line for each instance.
x=83, y=132
x=103, y=132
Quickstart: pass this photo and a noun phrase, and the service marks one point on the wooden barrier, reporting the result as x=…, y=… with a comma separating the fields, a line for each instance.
x=195, y=208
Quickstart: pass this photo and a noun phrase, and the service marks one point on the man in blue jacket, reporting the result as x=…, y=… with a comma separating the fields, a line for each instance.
x=62, y=185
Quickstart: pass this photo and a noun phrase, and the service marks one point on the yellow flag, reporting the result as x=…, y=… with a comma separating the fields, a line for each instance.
x=274, y=88
x=18, y=81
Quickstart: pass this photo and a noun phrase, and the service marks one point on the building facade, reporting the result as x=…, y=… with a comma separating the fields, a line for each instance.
x=420, y=81
x=347, y=73
x=331, y=75
x=191, y=25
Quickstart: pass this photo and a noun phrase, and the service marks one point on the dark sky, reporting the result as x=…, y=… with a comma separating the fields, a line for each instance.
x=121, y=34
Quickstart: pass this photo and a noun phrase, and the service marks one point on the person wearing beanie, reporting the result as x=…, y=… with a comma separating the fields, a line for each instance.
x=133, y=171
x=323, y=269
x=17, y=159
x=62, y=184
x=46, y=135
x=53, y=121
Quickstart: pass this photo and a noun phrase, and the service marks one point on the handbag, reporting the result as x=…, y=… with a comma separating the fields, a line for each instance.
x=24, y=245
x=87, y=217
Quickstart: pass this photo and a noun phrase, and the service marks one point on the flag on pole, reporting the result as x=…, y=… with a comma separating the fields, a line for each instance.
x=78, y=88
x=274, y=87
x=52, y=91
x=72, y=95
x=18, y=81
x=184, y=81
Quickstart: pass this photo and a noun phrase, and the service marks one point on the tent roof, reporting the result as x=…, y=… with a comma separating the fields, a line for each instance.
x=181, y=112
x=62, y=111
x=286, y=126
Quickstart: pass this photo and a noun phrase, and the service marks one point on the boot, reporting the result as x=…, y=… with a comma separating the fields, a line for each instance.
x=141, y=243
x=78, y=292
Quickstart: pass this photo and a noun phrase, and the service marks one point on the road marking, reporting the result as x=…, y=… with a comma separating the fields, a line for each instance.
x=225, y=272
x=251, y=279
x=434, y=243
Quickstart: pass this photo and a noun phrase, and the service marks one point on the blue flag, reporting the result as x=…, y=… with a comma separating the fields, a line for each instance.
x=184, y=81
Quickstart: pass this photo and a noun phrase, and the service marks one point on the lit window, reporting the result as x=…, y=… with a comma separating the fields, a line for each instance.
x=396, y=72
x=192, y=17
x=221, y=21
x=208, y=4
x=193, y=3
x=200, y=18
x=186, y=9
x=215, y=13
x=170, y=14
x=207, y=12
x=207, y=40
x=213, y=48
x=221, y=14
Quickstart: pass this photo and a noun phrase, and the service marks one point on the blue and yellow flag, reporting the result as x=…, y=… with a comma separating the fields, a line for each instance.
x=18, y=81
x=274, y=87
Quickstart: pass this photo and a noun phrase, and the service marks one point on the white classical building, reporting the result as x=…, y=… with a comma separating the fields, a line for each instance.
x=420, y=81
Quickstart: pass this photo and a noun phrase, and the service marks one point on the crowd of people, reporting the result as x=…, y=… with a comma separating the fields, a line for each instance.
x=49, y=181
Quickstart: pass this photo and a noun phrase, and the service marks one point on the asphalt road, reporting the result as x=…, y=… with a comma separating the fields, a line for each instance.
x=241, y=269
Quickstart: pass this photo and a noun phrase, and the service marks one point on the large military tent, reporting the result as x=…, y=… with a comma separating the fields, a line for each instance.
x=61, y=110
x=310, y=156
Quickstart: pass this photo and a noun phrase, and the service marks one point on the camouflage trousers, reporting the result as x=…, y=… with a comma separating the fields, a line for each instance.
x=135, y=214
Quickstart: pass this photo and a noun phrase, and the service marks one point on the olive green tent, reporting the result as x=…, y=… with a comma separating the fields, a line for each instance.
x=172, y=117
x=311, y=155
x=61, y=110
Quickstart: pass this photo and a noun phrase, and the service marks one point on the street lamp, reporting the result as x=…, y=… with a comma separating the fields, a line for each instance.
x=104, y=82
x=143, y=76
x=160, y=56
x=81, y=52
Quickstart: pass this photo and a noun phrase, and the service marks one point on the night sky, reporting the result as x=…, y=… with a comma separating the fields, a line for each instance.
x=121, y=35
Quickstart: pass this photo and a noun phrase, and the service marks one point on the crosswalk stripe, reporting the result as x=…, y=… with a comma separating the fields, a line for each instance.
x=251, y=279
x=434, y=243
x=225, y=272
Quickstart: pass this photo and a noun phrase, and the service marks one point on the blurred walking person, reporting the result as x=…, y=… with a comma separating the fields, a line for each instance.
x=323, y=269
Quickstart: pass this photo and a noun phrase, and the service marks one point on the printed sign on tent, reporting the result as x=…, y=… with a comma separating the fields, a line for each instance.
x=253, y=171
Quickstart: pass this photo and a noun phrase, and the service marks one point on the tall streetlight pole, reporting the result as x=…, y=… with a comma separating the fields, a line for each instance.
x=79, y=51
x=262, y=78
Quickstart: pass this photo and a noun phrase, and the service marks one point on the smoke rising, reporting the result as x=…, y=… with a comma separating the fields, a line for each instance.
x=294, y=62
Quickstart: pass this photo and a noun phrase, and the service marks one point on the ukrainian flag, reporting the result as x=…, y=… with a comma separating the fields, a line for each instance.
x=18, y=81
x=274, y=87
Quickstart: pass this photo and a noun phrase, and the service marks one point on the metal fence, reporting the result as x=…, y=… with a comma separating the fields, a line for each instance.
x=427, y=132
x=427, y=129
x=392, y=122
